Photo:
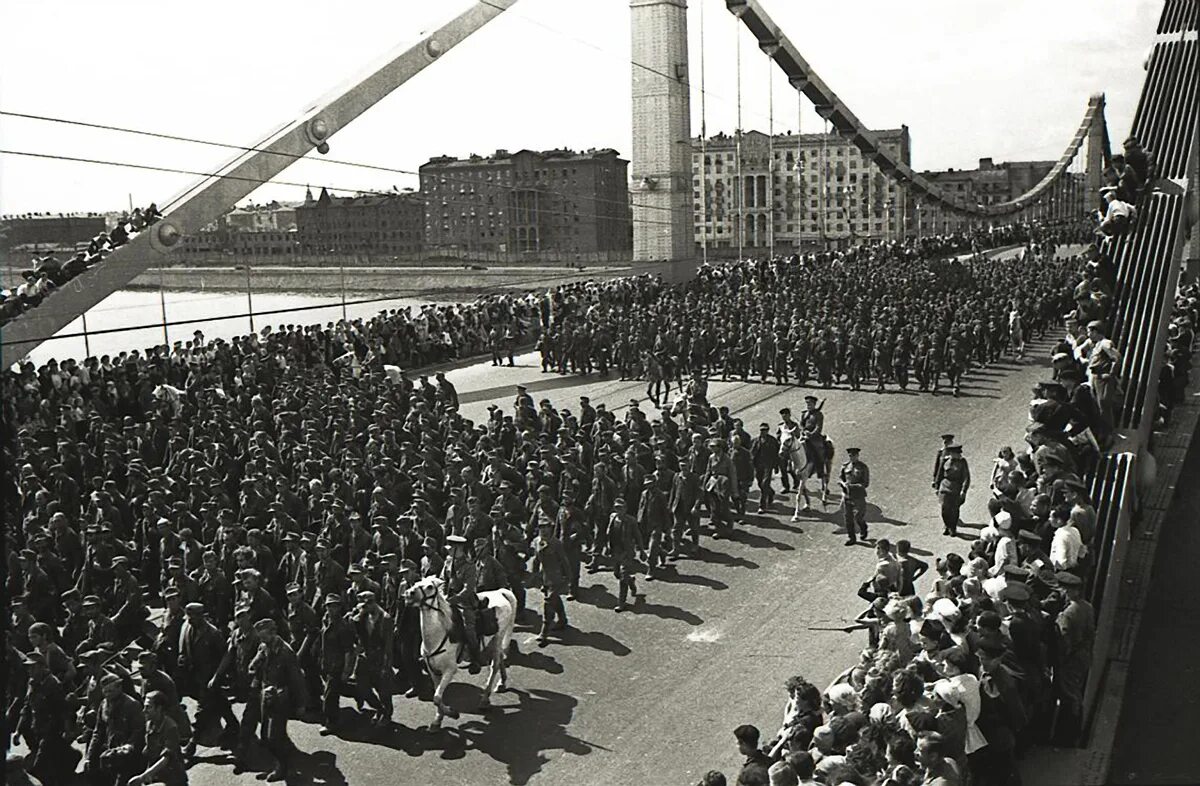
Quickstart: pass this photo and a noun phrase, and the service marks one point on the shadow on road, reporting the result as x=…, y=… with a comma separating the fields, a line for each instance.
x=539, y=661
x=518, y=736
x=757, y=541
x=769, y=522
x=573, y=637
x=318, y=768
x=705, y=554
x=672, y=576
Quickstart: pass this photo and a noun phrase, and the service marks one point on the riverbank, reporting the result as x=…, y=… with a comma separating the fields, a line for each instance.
x=436, y=283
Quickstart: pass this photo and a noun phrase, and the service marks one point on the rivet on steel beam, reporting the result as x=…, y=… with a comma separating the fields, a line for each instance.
x=168, y=233
x=318, y=131
x=434, y=48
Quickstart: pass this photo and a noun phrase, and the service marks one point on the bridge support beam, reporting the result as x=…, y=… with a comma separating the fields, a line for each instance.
x=1097, y=151
x=661, y=160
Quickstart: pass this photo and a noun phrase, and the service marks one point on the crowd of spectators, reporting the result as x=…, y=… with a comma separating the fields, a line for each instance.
x=48, y=273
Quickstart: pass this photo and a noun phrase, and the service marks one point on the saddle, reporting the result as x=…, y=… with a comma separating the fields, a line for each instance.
x=486, y=622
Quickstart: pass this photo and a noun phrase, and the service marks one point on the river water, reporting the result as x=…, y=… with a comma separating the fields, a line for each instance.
x=221, y=314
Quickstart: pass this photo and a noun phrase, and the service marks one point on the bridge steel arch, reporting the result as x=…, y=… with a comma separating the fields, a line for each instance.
x=804, y=79
x=211, y=196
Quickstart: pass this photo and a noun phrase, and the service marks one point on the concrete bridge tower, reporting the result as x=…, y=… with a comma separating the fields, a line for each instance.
x=661, y=161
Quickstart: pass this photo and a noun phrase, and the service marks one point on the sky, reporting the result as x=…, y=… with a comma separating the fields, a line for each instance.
x=1008, y=80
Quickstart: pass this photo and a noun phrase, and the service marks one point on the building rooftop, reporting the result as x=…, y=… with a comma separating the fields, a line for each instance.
x=504, y=157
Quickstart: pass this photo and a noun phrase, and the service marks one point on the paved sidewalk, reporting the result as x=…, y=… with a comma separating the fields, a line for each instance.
x=1158, y=735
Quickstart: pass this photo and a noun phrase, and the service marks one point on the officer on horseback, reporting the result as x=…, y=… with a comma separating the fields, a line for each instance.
x=462, y=586
x=812, y=422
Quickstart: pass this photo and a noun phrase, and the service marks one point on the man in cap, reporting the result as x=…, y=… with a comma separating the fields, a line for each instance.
x=854, y=479
x=623, y=536
x=303, y=626
x=240, y=650
x=42, y=723
x=374, y=634
x=118, y=738
x=1076, y=633
x=1100, y=356
x=462, y=587
x=336, y=648
x=764, y=455
x=154, y=678
x=101, y=628
x=281, y=690
x=551, y=565
x=952, y=488
x=201, y=647
x=947, y=441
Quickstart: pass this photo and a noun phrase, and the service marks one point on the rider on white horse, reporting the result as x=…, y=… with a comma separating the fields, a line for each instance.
x=462, y=586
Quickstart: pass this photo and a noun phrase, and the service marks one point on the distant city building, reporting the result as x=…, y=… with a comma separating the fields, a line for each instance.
x=528, y=201
x=802, y=188
x=374, y=224
x=262, y=230
x=50, y=230
x=274, y=216
x=990, y=184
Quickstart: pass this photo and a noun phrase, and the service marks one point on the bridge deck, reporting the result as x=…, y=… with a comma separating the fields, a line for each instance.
x=653, y=696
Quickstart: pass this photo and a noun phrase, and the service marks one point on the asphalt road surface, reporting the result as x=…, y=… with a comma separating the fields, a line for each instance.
x=652, y=696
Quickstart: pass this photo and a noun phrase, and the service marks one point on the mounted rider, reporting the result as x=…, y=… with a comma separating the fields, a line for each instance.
x=462, y=586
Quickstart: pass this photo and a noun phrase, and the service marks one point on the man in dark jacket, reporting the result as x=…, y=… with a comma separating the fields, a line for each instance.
x=281, y=682
x=335, y=645
x=764, y=454
x=553, y=569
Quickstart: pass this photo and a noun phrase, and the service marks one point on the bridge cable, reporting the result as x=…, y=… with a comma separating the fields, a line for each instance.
x=294, y=156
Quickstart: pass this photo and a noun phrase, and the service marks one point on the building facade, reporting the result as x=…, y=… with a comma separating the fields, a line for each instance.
x=794, y=191
x=527, y=202
x=374, y=224
x=991, y=184
x=50, y=230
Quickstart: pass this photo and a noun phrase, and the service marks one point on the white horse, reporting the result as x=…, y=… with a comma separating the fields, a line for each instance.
x=808, y=458
x=441, y=655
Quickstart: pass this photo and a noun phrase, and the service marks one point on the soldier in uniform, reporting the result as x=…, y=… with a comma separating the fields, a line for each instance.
x=303, y=628
x=1076, y=628
x=118, y=739
x=242, y=646
x=854, y=478
x=952, y=488
x=551, y=565
x=624, y=543
x=947, y=440
x=764, y=455
x=155, y=679
x=901, y=359
x=719, y=482
x=335, y=645
x=43, y=723
x=201, y=647
x=374, y=635
x=281, y=691
x=462, y=587
x=682, y=503
x=163, y=756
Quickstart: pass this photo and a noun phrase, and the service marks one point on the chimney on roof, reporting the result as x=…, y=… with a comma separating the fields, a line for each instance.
x=985, y=164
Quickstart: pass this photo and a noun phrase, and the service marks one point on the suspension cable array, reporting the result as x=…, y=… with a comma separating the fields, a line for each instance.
x=802, y=77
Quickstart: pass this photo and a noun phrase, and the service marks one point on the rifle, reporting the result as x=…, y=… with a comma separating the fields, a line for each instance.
x=845, y=629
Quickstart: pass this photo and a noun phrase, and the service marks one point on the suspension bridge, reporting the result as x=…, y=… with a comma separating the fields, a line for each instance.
x=653, y=697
